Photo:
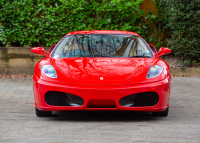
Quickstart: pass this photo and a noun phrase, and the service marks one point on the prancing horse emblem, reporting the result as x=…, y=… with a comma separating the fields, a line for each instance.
x=101, y=78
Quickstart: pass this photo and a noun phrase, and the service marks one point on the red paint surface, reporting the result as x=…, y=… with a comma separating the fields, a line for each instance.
x=121, y=77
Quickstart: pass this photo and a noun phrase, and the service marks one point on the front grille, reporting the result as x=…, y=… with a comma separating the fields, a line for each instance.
x=56, y=98
x=140, y=99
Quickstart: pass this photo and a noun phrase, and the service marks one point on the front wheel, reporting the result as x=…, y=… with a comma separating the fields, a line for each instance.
x=40, y=113
x=162, y=113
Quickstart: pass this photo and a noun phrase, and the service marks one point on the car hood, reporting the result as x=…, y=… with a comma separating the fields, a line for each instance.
x=102, y=71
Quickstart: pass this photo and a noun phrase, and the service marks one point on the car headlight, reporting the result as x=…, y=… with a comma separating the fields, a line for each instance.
x=154, y=71
x=49, y=71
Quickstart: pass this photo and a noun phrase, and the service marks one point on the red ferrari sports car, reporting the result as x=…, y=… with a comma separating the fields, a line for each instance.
x=101, y=70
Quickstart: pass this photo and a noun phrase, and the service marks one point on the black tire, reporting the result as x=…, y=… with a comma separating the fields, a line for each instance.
x=163, y=113
x=40, y=113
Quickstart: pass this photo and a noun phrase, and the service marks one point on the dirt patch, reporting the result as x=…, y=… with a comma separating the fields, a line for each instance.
x=17, y=76
x=173, y=62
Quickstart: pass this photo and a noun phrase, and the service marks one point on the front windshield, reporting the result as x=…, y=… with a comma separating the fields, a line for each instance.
x=101, y=45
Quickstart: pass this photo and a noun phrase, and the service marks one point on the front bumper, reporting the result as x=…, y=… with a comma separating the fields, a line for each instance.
x=115, y=93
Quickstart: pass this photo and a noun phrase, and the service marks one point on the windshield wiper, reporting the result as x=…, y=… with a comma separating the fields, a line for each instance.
x=140, y=57
x=100, y=56
x=85, y=56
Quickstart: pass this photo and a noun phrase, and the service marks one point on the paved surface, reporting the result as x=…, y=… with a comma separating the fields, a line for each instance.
x=18, y=122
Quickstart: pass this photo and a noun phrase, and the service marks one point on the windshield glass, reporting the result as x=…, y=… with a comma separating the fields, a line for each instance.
x=101, y=45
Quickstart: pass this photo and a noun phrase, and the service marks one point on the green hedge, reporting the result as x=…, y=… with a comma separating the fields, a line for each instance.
x=183, y=25
x=44, y=22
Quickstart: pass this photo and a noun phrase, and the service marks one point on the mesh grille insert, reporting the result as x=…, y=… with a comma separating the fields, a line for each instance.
x=56, y=98
x=140, y=99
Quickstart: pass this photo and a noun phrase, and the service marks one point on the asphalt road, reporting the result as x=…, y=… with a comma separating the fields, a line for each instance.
x=18, y=122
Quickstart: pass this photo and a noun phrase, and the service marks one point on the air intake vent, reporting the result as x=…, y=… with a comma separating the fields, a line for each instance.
x=140, y=99
x=56, y=98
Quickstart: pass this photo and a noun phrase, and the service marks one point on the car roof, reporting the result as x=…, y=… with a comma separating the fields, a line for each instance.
x=102, y=32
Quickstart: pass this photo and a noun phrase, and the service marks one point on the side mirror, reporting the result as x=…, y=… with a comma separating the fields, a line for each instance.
x=41, y=51
x=163, y=51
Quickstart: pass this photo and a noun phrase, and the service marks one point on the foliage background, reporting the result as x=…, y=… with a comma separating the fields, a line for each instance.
x=176, y=24
x=183, y=24
x=44, y=22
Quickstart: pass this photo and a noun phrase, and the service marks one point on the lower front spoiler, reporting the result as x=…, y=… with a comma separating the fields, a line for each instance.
x=162, y=88
x=55, y=108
